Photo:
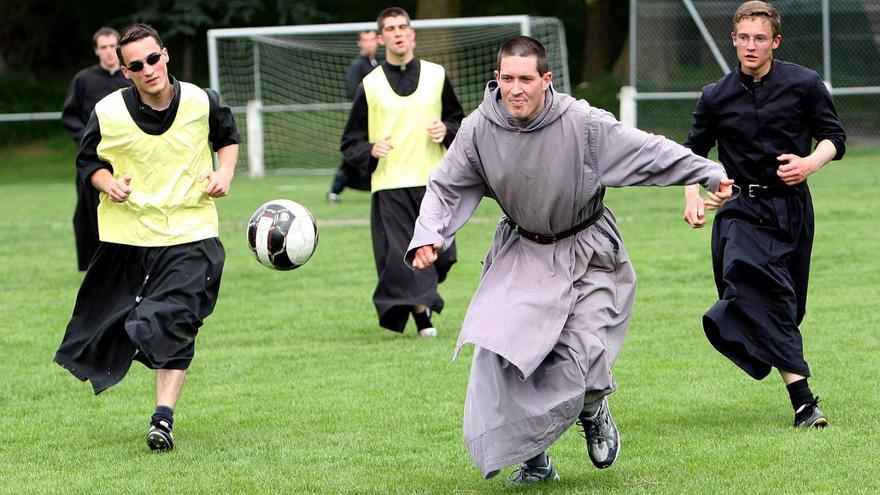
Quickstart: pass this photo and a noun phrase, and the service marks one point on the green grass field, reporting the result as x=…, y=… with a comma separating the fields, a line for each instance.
x=296, y=390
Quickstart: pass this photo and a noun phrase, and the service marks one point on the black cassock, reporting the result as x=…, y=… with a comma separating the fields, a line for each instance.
x=761, y=241
x=761, y=259
x=394, y=211
x=87, y=88
x=392, y=221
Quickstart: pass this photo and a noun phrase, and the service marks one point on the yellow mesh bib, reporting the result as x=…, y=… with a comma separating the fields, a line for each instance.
x=405, y=119
x=166, y=206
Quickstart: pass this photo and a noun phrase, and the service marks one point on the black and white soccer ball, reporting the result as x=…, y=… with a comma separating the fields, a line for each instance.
x=282, y=234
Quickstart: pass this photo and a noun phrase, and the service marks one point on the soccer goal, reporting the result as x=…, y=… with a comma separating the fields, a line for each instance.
x=286, y=84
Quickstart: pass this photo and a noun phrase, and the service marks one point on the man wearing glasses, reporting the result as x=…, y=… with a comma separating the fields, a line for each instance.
x=156, y=274
x=87, y=88
x=764, y=117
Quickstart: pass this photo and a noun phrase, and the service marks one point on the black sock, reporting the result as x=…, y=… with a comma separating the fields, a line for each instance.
x=799, y=393
x=164, y=413
x=539, y=460
x=423, y=319
x=590, y=410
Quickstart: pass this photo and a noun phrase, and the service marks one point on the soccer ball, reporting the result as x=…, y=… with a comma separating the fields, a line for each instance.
x=282, y=234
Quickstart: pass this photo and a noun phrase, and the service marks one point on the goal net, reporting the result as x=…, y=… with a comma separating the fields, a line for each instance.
x=678, y=46
x=286, y=84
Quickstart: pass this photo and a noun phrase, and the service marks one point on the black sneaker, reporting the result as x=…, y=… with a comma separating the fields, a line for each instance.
x=603, y=439
x=809, y=416
x=527, y=475
x=159, y=437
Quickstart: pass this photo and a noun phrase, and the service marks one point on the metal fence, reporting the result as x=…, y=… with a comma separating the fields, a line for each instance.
x=678, y=46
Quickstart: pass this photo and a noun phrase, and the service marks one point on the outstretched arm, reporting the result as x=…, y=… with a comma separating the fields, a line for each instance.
x=626, y=156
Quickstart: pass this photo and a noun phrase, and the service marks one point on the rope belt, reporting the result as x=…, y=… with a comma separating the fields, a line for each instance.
x=553, y=238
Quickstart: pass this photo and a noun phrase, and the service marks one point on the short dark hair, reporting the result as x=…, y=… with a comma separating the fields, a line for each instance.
x=758, y=9
x=391, y=12
x=525, y=46
x=104, y=31
x=136, y=32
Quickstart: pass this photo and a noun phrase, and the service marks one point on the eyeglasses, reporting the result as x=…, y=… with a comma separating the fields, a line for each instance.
x=151, y=59
x=742, y=39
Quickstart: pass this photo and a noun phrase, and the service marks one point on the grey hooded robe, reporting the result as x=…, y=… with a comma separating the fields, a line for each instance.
x=548, y=320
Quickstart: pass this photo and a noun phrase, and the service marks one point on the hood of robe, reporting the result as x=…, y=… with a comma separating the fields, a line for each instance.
x=492, y=107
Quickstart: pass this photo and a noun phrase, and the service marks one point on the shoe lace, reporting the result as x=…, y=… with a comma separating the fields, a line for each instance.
x=520, y=475
x=591, y=429
x=528, y=474
x=161, y=424
x=807, y=408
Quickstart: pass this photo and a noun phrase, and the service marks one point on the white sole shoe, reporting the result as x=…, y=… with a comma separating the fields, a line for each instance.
x=428, y=332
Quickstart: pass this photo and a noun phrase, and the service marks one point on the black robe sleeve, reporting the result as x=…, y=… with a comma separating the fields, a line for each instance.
x=356, y=146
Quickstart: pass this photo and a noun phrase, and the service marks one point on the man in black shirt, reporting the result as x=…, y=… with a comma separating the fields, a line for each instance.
x=87, y=88
x=402, y=119
x=764, y=117
x=363, y=64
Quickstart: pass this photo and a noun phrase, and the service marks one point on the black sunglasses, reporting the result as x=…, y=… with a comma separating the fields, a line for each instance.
x=138, y=66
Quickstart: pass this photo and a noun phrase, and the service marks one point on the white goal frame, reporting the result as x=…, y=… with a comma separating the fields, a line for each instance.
x=255, y=109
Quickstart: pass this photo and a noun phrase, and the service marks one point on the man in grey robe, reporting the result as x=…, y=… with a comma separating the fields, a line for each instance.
x=550, y=315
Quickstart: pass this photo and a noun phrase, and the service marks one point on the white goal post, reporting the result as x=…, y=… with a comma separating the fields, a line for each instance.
x=286, y=84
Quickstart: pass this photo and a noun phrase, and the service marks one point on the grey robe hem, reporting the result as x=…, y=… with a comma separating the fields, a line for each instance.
x=531, y=435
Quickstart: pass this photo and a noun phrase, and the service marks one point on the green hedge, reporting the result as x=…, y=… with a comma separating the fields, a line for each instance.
x=19, y=93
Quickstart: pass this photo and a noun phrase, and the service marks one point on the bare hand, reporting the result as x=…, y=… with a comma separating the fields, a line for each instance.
x=218, y=183
x=120, y=190
x=425, y=256
x=794, y=169
x=694, y=209
x=437, y=131
x=381, y=148
x=724, y=193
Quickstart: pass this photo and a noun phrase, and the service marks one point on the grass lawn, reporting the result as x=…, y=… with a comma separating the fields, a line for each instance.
x=295, y=389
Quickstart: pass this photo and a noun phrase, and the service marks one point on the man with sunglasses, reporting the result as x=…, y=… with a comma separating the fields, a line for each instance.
x=764, y=117
x=156, y=274
x=87, y=88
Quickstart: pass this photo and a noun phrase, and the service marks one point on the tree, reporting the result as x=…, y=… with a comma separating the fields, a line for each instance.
x=188, y=20
x=438, y=9
x=604, y=38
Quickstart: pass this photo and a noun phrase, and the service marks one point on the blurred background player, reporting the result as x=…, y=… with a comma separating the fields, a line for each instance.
x=403, y=118
x=156, y=274
x=87, y=88
x=363, y=64
x=764, y=116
